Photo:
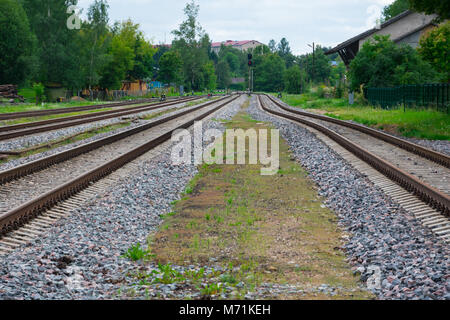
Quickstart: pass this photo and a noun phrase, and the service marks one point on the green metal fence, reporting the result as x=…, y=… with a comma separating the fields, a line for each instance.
x=434, y=96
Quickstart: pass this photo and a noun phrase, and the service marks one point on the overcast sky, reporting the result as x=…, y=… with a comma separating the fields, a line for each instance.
x=325, y=22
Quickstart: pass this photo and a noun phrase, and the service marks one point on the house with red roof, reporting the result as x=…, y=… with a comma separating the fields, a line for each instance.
x=243, y=45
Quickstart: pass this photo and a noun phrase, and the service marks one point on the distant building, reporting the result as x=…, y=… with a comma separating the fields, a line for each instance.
x=240, y=45
x=138, y=85
x=407, y=28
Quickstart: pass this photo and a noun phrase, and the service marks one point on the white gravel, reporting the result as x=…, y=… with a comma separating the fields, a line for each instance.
x=93, y=239
x=414, y=263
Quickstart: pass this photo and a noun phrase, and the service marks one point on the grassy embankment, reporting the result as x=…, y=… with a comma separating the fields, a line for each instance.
x=422, y=123
x=259, y=229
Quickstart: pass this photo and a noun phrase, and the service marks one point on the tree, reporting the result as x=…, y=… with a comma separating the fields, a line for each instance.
x=435, y=48
x=93, y=41
x=210, y=78
x=16, y=43
x=381, y=63
x=394, y=9
x=318, y=68
x=122, y=55
x=294, y=80
x=171, y=68
x=223, y=75
x=439, y=7
x=269, y=72
x=272, y=46
x=194, y=46
x=284, y=51
x=58, y=53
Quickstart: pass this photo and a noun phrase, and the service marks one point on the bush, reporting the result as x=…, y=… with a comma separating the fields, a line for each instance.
x=381, y=63
x=39, y=90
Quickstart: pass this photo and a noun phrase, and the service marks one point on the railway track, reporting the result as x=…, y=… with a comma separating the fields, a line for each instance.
x=30, y=128
x=40, y=113
x=422, y=172
x=28, y=191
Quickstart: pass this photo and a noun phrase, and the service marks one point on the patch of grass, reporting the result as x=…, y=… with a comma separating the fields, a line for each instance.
x=23, y=107
x=136, y=253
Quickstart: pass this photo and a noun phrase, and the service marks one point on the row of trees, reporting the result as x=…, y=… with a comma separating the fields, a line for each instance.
x=37, y=46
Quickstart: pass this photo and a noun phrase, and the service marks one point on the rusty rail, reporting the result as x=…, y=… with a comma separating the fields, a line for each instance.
x=432, y=196
x=77, y=120
x=40, y=113
x=17, y=217
x=37, y=165
x=406, y=145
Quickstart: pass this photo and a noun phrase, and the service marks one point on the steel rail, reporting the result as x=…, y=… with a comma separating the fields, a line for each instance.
x=19, y=216
x=432, y=155
x=83, y=119
x=41, y=164
x=432, y=196
x=25, y=125
x=40, y=113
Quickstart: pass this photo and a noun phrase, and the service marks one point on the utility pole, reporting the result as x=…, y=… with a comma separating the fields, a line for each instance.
x=313, y=46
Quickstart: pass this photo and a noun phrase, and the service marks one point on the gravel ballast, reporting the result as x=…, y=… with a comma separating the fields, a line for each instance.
x=414, y=263
x=37, y=139
x=49, y=136
x=81, y=256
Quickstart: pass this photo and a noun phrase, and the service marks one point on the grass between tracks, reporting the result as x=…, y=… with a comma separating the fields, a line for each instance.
x=421, y=123
x=63, y=141
x=90, y=133
x=261, y=229
x=64, y=115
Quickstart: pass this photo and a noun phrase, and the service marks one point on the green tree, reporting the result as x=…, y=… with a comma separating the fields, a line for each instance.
x=381, y=63
x=435, y=48
x=58, y=52
x=16, y=43
x=171, y=68
x=223, y=75
x=210, y=78
x=94, y=41
x=394, y=9
x=194, y=46
x=439, y=7
x=284, y=51
x=122, y=56
x=294, y=80
x=269, y=72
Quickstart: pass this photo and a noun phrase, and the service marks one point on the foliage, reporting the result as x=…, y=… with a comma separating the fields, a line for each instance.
x=39, y=90
x=381, y=63
x=57, y=53
x=94, y=40
x=294, y=80
x=136, y=253
x=269, y=71
x=171, y=68
x=435, y=48
x=440, y=7
x=318, y=68
x=194, y=46
x=223, y=75
x=395, y=8
x=16, y=43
